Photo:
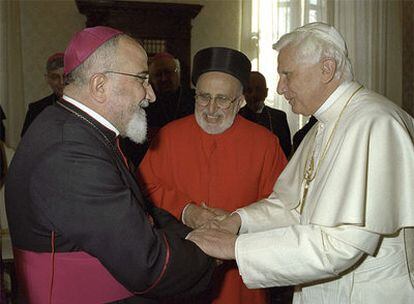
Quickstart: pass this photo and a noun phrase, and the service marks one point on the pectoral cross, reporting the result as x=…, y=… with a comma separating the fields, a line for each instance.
x=307, y=178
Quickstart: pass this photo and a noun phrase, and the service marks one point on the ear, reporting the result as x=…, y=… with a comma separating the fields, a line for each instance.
x=241, y=101
x=98, y=87
x=328, y=69
x=266, y=92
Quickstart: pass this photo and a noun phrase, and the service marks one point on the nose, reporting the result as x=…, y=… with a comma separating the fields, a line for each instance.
x=61, y=80
x=212, y=106
x=164, y=76
x=281, y=86
x=149, y=93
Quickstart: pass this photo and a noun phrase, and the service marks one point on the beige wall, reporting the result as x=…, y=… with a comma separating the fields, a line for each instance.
x=46, y=27
x=217, y=24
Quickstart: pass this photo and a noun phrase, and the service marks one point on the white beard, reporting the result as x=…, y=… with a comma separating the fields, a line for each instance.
x=136, y=128
x=214, y=128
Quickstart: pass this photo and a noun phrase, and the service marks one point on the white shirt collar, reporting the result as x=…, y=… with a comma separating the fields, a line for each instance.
x=92, y=113
x=332, y=98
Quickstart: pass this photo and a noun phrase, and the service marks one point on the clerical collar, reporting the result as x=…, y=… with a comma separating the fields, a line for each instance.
x=92, y=113
x=332, y=98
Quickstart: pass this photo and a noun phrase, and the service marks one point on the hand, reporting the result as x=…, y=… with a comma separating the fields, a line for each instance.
x=229, y=223
x=196, y=216
x=216, y=243
x=216, y=211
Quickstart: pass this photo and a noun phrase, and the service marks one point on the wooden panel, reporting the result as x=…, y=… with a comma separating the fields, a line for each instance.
x=148, y=20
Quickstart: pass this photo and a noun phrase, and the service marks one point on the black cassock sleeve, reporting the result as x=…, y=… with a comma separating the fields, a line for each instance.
x=78, y=191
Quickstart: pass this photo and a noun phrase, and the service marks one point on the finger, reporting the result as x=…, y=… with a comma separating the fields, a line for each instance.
x=220, y=218
x=210, y=224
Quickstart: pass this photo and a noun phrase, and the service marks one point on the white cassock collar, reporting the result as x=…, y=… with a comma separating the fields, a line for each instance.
x=91, y=113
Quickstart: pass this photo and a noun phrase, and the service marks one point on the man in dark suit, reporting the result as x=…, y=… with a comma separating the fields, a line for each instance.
x=256, y=111
x=174, y=100
x=81, y=230
x=54, y=78
x=300, y=134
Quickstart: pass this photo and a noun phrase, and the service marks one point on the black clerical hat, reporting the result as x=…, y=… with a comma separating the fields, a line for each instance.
x=224, y=60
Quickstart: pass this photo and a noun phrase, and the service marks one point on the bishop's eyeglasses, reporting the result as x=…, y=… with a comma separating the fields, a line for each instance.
x=222, y=101
x=142, y=77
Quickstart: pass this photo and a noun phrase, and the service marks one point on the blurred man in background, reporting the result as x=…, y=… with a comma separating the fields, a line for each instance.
x=54, y=78
x=256, y=111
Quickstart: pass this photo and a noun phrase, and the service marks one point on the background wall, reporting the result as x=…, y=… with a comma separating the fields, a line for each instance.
x=217, y=24
x=46, y=28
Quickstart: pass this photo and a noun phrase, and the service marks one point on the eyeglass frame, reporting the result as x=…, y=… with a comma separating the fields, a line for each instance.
x=140, y=76
x=210, y=98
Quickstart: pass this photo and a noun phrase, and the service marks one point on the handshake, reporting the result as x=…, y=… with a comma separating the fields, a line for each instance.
x=215, y=230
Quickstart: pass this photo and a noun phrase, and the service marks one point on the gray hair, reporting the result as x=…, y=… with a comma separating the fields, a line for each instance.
x=316, y=41
x=103, y=59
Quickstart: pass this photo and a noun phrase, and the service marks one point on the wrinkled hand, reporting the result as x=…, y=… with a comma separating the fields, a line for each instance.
x=216, y=211
x=216, y=243
x=229, y=223
x=196, y=216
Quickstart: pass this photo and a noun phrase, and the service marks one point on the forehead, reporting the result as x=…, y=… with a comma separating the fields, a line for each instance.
x=131, y=53
x=58, y=71
x=287, y=57
x=218, y=83
x=257, y=80
x=163, y=63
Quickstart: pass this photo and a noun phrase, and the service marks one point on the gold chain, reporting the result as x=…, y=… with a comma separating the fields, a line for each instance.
x=309, y=171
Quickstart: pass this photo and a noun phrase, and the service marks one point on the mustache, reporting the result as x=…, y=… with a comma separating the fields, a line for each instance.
x=219, y=113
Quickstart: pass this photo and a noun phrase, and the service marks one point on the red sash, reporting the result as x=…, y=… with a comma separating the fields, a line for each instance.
x=71, y=277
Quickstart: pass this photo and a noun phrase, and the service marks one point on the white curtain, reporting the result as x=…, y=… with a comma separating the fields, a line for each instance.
x=371, y=28
x=11, y=76
x=263, y=23
x=373, y=32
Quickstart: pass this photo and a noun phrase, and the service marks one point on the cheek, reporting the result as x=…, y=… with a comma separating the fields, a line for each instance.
x=230, y=113
x=54, y=83
x=139, y=93
x=292, y=84
x=198, y=109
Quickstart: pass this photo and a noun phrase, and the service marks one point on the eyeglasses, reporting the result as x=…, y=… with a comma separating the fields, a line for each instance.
x=222, y=101
x=143, y=77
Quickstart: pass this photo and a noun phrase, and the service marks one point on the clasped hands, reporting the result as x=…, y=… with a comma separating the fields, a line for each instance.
x=215, y=230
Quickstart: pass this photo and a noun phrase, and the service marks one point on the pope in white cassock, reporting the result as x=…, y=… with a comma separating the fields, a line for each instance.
x=339, y=224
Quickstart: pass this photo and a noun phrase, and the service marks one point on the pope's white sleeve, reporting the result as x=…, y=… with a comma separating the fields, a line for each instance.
x=266, y=214
x=300, y=253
